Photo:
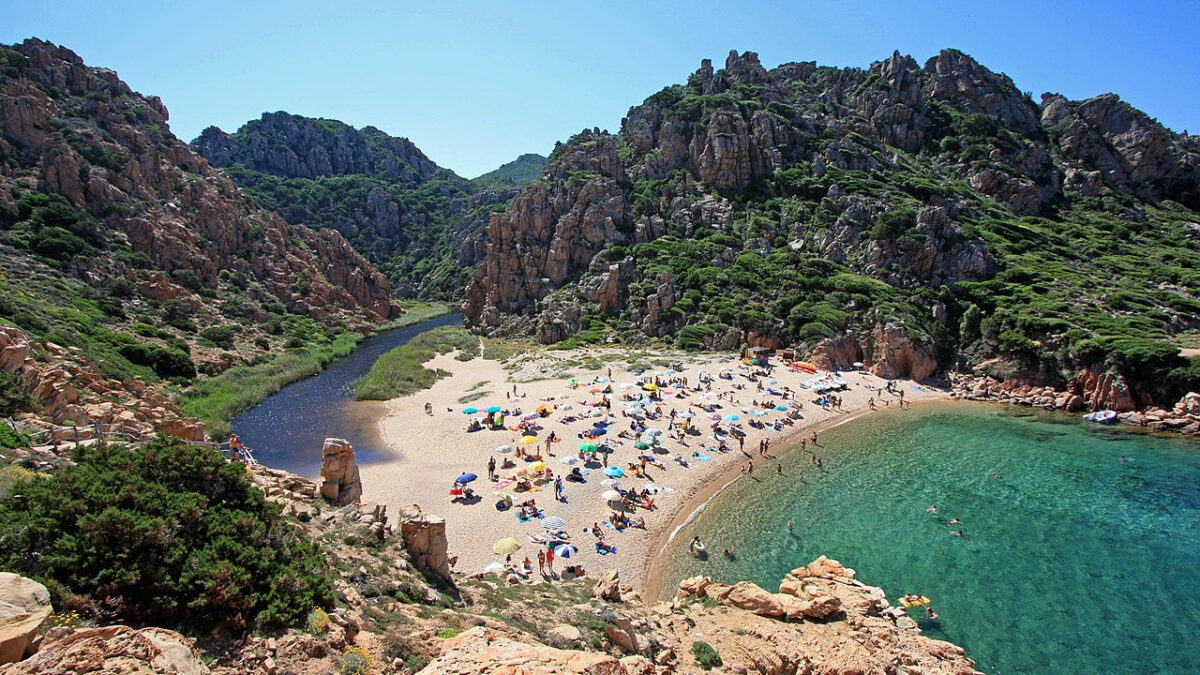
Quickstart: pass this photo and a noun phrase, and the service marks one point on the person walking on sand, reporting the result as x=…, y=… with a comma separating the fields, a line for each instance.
x=558, y=488
x=750, y=469
x=491, y=468
x=428, y=408
x=813, y=438
x=541, y=562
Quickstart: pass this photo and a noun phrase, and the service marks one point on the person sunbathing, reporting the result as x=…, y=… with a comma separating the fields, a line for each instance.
x=640, y=523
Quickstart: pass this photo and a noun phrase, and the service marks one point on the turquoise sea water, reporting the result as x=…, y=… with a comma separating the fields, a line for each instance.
x=1076, y=562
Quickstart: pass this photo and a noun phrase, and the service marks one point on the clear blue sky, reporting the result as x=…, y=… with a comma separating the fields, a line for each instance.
x=474, y=84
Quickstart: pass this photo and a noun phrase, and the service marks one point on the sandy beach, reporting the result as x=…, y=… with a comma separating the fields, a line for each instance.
x=431, y=450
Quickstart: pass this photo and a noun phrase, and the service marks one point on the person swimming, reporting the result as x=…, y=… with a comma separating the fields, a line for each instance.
x=959, y=533
x=931, y=509
x=931, y=614
x=956, y=521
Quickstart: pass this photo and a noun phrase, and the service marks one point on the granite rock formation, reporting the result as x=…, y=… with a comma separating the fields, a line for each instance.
x=877, y=209
x=24, y=604
x=112, y=649
x=339, y=469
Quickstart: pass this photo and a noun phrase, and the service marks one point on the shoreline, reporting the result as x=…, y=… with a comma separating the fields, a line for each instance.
x=655, y=566
x=426, y=452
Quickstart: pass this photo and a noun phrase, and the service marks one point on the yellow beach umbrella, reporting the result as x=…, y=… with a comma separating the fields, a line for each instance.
x=528, y=439
x=520, y=471
x=506, y=546
x=650, y=387
x=537, y=466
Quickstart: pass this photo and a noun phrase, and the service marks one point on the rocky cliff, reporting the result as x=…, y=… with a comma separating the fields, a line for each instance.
x=933, y=205
x=122, y=250
x=409, y=216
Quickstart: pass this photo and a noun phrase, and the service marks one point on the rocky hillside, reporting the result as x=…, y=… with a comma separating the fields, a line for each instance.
x=515, y=174
x=915, y=217
x=409, y=216
x=127, y=260
x=399, y=608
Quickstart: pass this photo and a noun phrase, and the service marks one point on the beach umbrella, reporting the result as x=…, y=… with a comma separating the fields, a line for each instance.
x=857, y=364
x=520, y=471
x=565, y=551
x=713, y=416
x=641, y=445
x=569, y=459
x=503, y=449
x=686, y=415
x=594, y=390
x=781, y=408
x=470, y=411
x=613, y=472
x=528, y=439
x=553, y=523
x=654, y=432
x=504, y=496
x=732, y=418
x=587, y=447
x=670, y=371
x=611, y=496
x=565, y=406
x=506, y=546
x=537, y=466
x=609, y=482
x=627, y=385
x=465, y=478
x=650, y=386
x=598, y=413
x=493, y=409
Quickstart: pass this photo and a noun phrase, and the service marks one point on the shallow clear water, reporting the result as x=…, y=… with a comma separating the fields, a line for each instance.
x=1076, y=562
x=286, y=430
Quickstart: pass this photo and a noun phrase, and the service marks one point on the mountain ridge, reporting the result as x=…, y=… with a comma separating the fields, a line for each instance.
x=932, y=212
x=410, y=217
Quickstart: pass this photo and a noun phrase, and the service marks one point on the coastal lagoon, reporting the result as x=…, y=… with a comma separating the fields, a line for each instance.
x=1074, y=561
x=286, y=430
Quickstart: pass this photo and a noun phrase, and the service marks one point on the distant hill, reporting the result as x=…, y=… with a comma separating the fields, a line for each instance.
x=516, y=174
x=413, y=219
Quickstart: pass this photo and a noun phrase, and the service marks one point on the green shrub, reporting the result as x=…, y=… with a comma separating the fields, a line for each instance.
x=356, y=661
x=706, y=656
x=9, y=438
x=165, y=534
x=221, y=336
x=14, y=397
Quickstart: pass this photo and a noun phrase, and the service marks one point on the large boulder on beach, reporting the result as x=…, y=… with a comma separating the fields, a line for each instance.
x=24, y=604
x=339, y=469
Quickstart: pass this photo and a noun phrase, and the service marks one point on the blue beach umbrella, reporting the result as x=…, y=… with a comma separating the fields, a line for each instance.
x=732, y=418
x=614, y=472
x=781, y=408
x=554, y=523
x=465, y=478
x=470, y=411
x=565, y=551
x=493, y=409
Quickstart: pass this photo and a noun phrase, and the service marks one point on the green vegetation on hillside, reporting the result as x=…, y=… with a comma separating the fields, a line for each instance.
x=400, y=371
x=164, y=534
x=217, y=400
x=515, y=174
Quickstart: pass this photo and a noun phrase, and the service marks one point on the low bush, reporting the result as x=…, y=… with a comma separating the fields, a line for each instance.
x=165, y=534
x=706, y=656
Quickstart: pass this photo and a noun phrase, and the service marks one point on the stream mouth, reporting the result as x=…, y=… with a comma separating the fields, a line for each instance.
x=286, y=430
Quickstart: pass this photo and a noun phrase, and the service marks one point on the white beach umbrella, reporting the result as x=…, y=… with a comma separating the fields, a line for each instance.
x=611, y=496
x=503, y=449
x=553, y=523
x=493, y=568
x=565, y=406
x=569, y=459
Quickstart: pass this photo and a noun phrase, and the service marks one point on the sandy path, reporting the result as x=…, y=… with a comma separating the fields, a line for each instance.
x=433, y=449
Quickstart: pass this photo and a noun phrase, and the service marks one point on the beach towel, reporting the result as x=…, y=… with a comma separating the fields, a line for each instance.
x=501, y=484
x=701, y=456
